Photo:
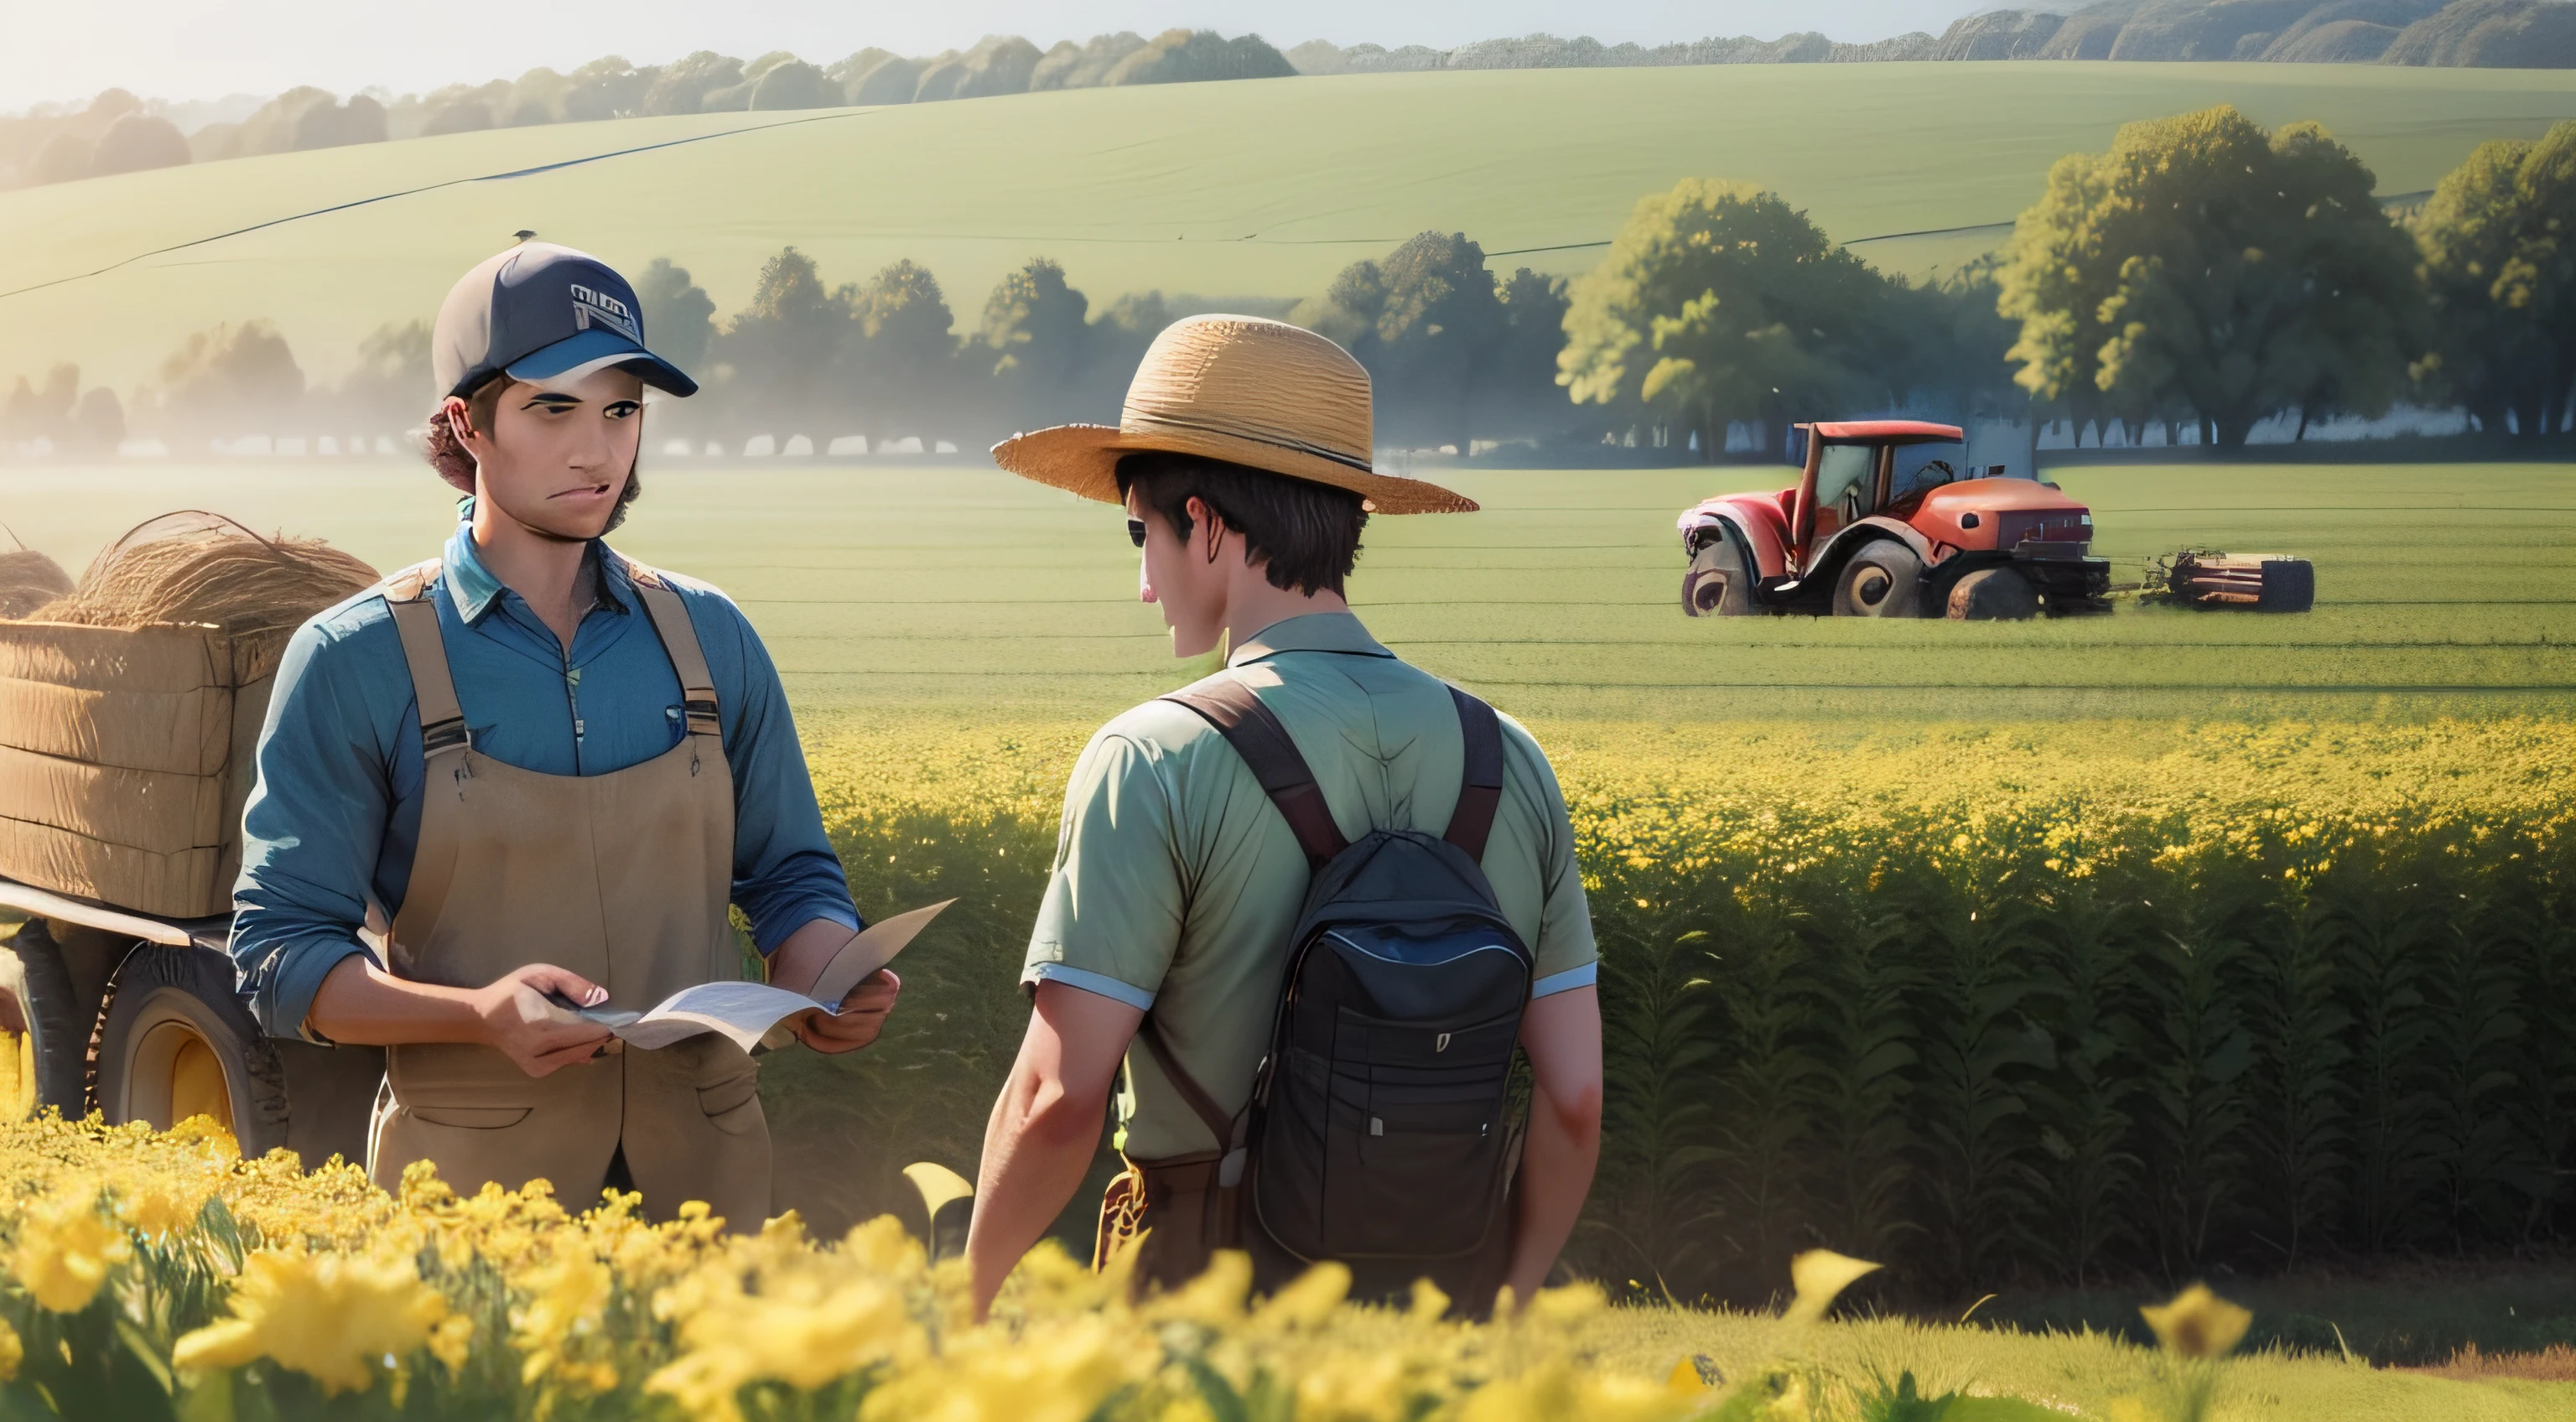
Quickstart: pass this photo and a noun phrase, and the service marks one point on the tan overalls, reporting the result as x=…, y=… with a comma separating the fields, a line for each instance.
x=623, y=878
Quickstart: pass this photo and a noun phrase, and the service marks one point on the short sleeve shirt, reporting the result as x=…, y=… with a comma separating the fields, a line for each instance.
x=1177, y=883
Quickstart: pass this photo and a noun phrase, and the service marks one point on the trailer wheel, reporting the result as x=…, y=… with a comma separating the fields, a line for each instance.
x=1884, y=579
x=175, y=1042
x=1993, y=595
x=1719, y=584
x=37, y=1001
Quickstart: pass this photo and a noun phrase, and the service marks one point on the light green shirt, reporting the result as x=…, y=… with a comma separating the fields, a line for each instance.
x=1177, y=883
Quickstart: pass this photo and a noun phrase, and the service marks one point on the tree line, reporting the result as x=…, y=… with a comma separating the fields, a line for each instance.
x=2202, y=274
x=1457, y=351
x=44, y=147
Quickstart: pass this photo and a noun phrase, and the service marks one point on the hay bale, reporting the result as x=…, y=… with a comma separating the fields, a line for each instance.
x=29, y=580
x=205, y=569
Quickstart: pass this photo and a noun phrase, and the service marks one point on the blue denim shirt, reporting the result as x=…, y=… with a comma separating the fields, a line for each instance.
x=336, y=814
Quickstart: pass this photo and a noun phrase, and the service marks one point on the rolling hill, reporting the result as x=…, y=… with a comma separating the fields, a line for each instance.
x=1251, y=188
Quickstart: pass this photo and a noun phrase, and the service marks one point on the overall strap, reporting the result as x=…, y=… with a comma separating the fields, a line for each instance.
x=1480, y=792
x=442, y=718
x=1256, y=734
x=680, y=642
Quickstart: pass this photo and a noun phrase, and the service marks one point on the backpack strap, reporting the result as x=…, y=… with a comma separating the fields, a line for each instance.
x=1228, y=1130
x=1480, y=790
x=1256, y=734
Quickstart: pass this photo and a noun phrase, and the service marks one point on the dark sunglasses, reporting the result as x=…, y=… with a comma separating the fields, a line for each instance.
x=1136, y=531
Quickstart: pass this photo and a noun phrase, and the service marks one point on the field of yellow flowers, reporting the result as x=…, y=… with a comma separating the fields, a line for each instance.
x=2010, y=1006
x=163, y=1276
x=2000, y=1005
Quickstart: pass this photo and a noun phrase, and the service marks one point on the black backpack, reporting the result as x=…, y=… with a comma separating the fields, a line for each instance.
x=1380, y=1132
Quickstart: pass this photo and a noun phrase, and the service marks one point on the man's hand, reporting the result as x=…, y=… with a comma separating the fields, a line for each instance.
x=861, y=1018
x=513, y=1015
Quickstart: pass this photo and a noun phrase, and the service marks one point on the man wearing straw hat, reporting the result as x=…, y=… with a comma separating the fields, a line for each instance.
x=1242, y=458
x=532, y=771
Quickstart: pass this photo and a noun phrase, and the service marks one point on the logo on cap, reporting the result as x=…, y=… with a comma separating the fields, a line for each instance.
x=591, y=307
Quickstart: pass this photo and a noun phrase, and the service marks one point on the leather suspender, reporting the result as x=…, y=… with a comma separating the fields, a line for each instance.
x=680, y=639
x=1481, y=792
x=1255, y=732
x=442, y=717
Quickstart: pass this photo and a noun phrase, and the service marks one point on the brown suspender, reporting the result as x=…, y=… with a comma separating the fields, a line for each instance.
x=442, y=717
x=1481, y=791
x=1256, y=734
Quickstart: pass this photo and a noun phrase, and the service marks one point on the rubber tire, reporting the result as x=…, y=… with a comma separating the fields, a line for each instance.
x=160, y=986
x=1889, y=567
x=1993, y=595
x=2289, y=585
x=39, y=989
x=1719, y=584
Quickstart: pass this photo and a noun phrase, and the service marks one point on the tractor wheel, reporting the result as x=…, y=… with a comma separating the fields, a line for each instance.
x=1883, y=580
x=175, y=1042
x=1718, y=583
x=37, y=1002
x=1993, y=595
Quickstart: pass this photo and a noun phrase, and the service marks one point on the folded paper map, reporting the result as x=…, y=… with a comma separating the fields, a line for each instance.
x=747, y=1012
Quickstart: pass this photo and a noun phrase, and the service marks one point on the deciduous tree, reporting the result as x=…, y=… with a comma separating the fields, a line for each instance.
x=2498, y=239
x=2204, y=262
x=1719, y=302
x=782, y=347
x=903, y=363
x=1036, y=341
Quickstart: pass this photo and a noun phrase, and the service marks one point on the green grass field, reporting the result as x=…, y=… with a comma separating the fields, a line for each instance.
x=961, y=592
x=929, y=620
x=1253, y=188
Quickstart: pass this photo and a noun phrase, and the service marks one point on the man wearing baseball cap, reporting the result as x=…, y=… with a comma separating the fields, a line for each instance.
x=1201, y=829
x=533, y=771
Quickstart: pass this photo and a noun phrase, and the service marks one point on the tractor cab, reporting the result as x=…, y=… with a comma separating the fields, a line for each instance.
x=1860, y=468
x=1888, y=519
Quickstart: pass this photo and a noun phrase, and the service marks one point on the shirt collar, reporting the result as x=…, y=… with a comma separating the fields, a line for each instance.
x=476, y=591
x=1312, y=632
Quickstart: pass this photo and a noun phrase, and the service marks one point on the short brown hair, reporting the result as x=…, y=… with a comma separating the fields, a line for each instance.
x=454, y=463
x=1305, y=535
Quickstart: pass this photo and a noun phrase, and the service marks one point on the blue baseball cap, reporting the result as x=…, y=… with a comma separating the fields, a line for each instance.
x=543, y=313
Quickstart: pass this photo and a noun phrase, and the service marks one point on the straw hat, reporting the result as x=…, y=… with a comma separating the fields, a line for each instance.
x=1241, y=389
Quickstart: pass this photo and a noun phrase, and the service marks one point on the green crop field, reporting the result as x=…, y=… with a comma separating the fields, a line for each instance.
x=898, y=594
x=1249, y=188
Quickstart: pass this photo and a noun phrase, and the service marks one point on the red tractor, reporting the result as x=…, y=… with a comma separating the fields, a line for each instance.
x=1889, y=521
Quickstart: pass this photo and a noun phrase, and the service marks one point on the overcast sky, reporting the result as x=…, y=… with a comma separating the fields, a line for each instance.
x=192, y=49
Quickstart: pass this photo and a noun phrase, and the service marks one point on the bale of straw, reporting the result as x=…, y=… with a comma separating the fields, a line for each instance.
x=207, y=570
x=29, y=580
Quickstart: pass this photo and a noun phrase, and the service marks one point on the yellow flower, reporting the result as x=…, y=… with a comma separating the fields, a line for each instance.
x=159, y=1207
x=771, y=1309
x=1307, y=1302
x=452, y=1342
x=336, y=1317
x=1820, y=1276
x=65, y=1248
x=1061, y=1373
x=567, y=1296
x=1215, y=1298
x=2198, y=1323
x=1557, y=1390
x=11, y=1351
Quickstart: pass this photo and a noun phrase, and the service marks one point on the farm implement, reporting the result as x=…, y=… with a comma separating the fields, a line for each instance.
x=1889, y=520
